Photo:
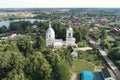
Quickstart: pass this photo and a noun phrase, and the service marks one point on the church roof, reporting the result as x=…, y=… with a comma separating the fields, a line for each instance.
x=58, y=42
x=74, y=53
x=50, y=29
x=69, y=28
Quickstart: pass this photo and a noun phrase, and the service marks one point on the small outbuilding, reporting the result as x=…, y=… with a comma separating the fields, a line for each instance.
x=74, y=54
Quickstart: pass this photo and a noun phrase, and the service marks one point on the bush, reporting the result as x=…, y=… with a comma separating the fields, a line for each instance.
x=82, y=44
x=118, y=63
x=114, y=53
x=105, y=44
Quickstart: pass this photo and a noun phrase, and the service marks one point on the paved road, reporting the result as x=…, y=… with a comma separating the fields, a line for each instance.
x=109, y=62
x=91, y=41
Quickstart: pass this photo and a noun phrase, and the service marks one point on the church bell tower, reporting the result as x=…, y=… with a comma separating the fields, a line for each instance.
x=70, y=40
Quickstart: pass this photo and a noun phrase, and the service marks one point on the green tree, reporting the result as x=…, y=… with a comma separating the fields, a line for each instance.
x=65, y=55
x=15, y=75
x=81, y=32
x=3, y=29
x=60, y=61
x=62, y=71
x=84, y=30
x=118, y=63
x=20, y=26
x=39, y=67
x=104, y=35
x=28, y=29
x=77, y=35
x=114, y=53
x=40, y=43
x=11, y=46
x=117, y=43
x=105, y=44
x=12, y=63
x=25, y=46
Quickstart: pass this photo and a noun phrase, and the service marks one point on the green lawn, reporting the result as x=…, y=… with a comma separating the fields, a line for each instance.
x=80, y=65
x=82, y=43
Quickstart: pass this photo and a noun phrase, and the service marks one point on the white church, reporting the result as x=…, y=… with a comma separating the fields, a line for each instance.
x=51, y=42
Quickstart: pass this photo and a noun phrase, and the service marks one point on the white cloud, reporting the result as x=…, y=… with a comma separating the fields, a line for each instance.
x=58, y=3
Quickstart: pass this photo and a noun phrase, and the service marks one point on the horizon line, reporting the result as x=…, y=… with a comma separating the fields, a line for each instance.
x=58, y=7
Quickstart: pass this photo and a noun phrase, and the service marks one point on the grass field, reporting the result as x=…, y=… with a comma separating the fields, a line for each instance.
x=80, y=65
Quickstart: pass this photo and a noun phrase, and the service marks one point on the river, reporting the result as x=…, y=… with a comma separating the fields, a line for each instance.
x=7, y=22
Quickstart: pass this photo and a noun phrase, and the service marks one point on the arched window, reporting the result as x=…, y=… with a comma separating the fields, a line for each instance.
x=69, y=34
x=49, y=36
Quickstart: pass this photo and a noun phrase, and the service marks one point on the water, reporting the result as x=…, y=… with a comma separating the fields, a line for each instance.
x=7, y=22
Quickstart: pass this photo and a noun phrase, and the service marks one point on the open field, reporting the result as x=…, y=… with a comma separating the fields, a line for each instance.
x=80, y=65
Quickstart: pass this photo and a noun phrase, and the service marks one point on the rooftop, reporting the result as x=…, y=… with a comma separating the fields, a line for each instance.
x=105, y=73
x=98, y=76
x=87, y=75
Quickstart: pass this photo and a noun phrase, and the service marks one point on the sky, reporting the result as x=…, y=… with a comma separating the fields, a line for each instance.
x=59, y=3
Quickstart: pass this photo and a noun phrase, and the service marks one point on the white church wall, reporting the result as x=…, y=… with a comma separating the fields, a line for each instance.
x=58, y=43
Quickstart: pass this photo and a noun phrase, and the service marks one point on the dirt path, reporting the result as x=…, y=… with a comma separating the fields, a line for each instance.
x=98, y=68
x=83, y=48
x=75, y=77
